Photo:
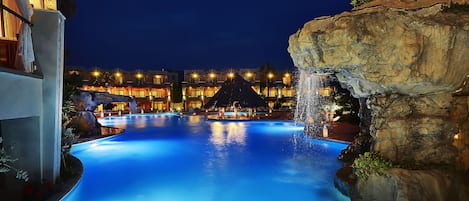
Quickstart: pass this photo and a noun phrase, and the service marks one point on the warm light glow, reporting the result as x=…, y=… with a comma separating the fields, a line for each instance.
x=287, y=74
x=249, y=74
x=212, y=75
x=96, y=73
x=325, y=132
x=195, y=75
x=231, y=75
x=158, y=76
x=139, y=75
x=118, y=74
x=456, y=137
x=270, y=75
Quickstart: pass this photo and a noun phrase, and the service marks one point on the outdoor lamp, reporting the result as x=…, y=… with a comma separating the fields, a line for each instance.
x=270, y=75
x=96, y=73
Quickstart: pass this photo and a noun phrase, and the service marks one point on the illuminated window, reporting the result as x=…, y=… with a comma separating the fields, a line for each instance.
x=157, y=93
x=158, y=105
x=157, y=79
x=195, y=92
x=272, y=92
x=211, y=91
x=288, y=92
x=140, y=93
x=120, y=92
x=195, y=104
x=119, y=80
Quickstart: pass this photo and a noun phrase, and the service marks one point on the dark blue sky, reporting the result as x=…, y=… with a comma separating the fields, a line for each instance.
x=188, y=34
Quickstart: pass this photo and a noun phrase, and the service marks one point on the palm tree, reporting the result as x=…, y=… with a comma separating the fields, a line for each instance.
x=264, y=71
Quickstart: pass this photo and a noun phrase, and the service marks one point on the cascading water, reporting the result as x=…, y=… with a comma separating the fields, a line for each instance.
x=309, y=102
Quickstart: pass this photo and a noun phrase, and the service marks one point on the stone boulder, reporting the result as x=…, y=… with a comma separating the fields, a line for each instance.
x=86, y=124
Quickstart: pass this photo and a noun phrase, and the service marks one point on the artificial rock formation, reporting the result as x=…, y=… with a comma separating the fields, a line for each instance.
x=409, y=59
x=85, y=122
x=89, y=100
x=412, y=185
x=406, y=61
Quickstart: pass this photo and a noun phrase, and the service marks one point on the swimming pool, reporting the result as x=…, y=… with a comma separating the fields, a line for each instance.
x=187, y=158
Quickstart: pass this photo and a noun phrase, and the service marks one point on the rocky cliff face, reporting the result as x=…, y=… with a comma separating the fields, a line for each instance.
x=409, y=59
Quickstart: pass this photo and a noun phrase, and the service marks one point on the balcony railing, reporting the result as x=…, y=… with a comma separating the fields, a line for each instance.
x=9, y=43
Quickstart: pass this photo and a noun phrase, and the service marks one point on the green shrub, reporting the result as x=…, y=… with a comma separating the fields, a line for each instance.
x=356, y=3
x=370, y=163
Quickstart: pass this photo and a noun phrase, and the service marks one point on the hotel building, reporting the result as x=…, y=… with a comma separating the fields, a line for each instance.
x=152, y=90
x=163, y=90
x=199, y=86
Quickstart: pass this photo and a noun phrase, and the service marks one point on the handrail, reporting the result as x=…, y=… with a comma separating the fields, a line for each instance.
x=17, y=15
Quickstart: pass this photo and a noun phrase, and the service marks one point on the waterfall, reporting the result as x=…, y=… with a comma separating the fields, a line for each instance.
x=309, y=102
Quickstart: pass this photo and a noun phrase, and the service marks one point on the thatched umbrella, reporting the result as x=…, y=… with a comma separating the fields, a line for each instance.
x=236, y=92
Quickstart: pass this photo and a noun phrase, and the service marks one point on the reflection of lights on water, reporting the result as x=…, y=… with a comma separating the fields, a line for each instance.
x=232, y=133
x=236, y=133
x=217, y=137
x=194, y=119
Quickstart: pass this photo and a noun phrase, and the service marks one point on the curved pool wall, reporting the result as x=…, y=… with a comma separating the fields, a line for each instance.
x=185, y=158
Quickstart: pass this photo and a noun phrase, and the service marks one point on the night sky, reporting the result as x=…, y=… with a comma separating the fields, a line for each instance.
x=188, y=34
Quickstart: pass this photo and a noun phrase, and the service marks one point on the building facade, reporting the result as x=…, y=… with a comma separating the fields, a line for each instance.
x=198, y=86
x=156, y=90
x=152, y=90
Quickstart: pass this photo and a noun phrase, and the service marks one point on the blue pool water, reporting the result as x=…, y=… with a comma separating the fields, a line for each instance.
x=187, y=158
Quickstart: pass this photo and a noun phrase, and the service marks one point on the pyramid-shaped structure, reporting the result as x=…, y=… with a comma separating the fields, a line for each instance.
x=236, y=91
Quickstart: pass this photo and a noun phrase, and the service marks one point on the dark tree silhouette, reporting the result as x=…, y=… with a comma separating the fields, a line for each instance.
x=67, y=7
x=264, y=70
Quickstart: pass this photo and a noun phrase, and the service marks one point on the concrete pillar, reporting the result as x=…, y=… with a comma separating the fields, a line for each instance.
x=48, y=37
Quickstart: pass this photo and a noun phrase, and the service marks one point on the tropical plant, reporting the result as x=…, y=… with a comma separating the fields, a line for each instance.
x=68, y=136
x=371, y=163
x=6, y=164
x=331, y=107
x=68, y=139
x=264, y=72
